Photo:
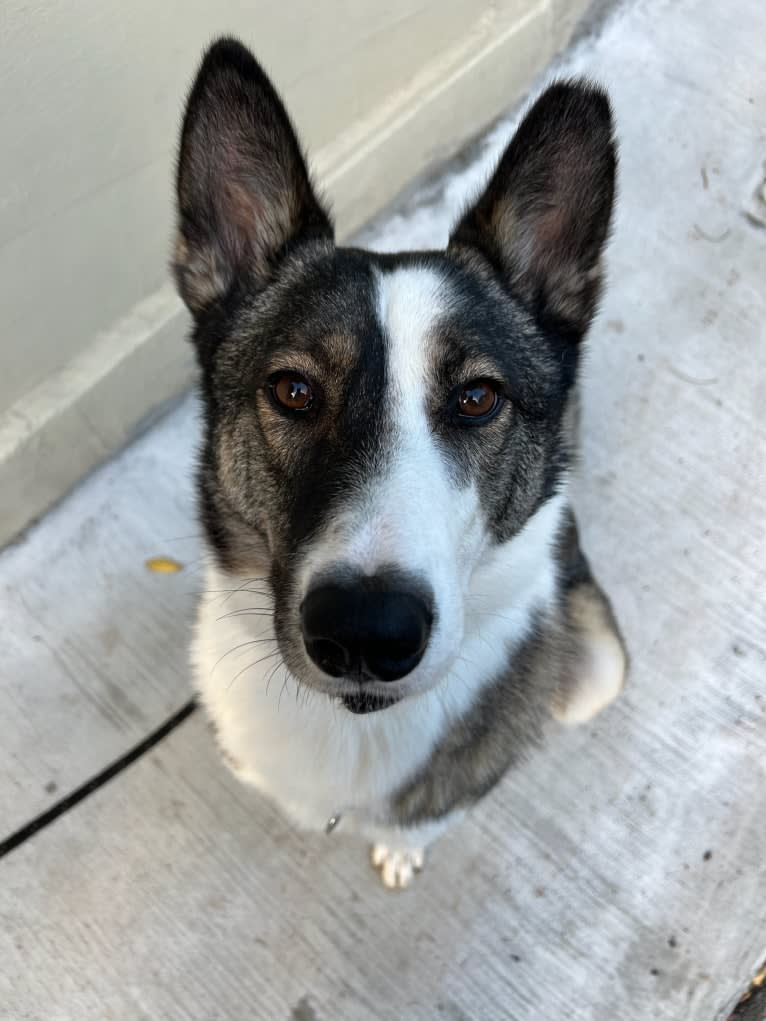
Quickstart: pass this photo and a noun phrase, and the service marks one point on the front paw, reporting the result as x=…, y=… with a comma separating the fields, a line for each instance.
x=397, y=866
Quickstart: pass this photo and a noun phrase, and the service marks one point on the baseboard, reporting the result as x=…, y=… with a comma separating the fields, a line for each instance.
x=75, y=420
x=79, y=417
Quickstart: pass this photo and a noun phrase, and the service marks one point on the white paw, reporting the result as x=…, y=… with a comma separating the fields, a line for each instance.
x=397, y=868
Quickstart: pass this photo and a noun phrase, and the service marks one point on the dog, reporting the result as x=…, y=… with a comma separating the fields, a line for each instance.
x=396, y=602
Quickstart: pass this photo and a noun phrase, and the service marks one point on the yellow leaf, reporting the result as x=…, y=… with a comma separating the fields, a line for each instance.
x=163, y=565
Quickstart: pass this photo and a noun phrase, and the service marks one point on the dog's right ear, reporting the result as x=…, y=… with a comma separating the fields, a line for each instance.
x=244, y=194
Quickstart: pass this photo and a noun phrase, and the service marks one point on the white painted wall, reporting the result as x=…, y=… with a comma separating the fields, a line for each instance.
x=92, y=96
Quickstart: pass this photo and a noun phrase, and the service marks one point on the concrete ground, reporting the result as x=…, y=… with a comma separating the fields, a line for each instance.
x=622, y=873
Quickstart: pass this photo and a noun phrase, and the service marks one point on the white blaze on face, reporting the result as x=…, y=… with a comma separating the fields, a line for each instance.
x=412, y=515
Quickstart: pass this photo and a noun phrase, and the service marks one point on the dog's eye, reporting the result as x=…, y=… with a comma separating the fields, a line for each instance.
x=478, y=401
x=292, y=391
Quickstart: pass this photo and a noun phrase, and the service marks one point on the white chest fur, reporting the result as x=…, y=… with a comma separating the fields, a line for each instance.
x=307, y=752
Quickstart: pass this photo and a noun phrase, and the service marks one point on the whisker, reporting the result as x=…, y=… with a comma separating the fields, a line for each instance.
x=491, y=613
x=253, y=611
x=242, y=645
x=284, y=685
x=251, y=665
x=272, y=672
x=244, y=588
x=234, y=591
x=212, y=593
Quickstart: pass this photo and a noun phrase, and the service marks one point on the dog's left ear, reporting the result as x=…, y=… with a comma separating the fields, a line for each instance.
x=544, y=217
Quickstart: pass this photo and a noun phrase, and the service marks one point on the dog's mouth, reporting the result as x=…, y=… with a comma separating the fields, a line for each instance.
x=363, y=702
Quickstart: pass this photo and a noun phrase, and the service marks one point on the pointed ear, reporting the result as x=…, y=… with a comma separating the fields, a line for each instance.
x=244, y=193
x=544, y=217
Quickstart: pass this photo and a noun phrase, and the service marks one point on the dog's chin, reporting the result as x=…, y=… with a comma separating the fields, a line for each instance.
x=363, y=702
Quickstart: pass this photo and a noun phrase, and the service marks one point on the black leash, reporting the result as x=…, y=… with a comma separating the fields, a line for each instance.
x=80, y=793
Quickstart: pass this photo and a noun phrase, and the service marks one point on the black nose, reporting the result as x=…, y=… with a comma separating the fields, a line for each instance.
x=369, y=629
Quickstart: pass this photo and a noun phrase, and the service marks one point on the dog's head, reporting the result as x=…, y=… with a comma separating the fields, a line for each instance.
x=378, y=427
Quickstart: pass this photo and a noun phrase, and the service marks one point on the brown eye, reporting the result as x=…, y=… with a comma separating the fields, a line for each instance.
x=292, y=391
x=478, y=400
